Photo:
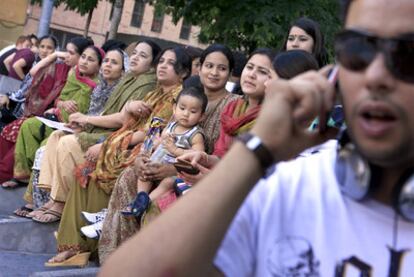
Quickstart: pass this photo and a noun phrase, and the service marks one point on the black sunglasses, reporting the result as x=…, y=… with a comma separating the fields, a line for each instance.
x=355, y=50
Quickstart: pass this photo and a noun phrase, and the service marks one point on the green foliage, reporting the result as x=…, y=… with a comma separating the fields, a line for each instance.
x=80, y=6
x=248, y=24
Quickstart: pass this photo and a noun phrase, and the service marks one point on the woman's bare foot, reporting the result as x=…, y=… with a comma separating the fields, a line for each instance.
x=25, y=210
x=63, y=256
x=53, y=214
x=41, y=210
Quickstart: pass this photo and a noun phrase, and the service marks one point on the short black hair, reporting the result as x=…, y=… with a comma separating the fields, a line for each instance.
x=288, y=64
x=218, y=48
x=344, y=8
x=194, y=92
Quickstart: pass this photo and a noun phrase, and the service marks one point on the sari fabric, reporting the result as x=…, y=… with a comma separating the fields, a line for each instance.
x=211, y=122
x=115, y=154
x=45, y=87
x=31, y=136
x=235, y=120
x=129, y=88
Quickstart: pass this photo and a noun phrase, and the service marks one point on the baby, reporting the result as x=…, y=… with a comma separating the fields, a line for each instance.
x=180, y=135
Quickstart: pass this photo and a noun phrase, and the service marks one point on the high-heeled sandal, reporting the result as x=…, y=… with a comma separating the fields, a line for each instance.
x=81, y=259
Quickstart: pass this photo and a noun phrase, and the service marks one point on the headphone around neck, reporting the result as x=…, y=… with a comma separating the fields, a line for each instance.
x=358, y=178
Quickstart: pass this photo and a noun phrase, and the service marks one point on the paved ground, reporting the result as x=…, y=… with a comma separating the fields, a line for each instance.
x=19, y=264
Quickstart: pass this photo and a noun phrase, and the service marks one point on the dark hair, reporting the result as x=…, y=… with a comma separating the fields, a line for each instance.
x=97, y=52
x=270, y=53
x=288, y=64
x=155, y=48
x=80, y=44
x=182, y=65
x=193, y=81
x=112, y=44
x=313, y=29
x=196, y=93
x=193, y=52
x=35, y=37
x=218, y=48
x=240, y=61
x=52, y=38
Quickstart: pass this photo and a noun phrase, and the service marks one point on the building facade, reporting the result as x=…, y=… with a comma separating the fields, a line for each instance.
x=139, y=20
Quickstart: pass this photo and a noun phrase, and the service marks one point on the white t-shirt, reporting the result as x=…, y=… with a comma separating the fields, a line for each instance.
x=297, y=223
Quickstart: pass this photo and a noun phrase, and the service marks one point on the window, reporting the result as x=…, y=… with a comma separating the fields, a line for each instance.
x=138, y=13
x=157, y=21
x=185, y=30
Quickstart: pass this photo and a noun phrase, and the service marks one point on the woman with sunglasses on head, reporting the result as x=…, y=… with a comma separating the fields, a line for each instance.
x=216, y=66
x=117, y=151
x=49, y=78
x=306, y=34
x=75, y=96
x=94, y=127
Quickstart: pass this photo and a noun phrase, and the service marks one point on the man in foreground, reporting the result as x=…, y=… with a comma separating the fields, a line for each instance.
x=343, y=212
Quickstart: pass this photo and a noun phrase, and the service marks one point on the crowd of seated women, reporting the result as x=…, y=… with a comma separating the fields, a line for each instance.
x=131, y=117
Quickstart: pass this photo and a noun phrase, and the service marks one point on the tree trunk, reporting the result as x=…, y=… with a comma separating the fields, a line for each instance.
x=88, y=23
x=47, y=9
x=116, y=18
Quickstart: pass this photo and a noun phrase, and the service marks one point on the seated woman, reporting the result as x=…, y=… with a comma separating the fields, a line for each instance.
x=118, y=151
x=16, y=99
x=75, y=96
x=182, y=134
x=216, y=66
x=111, y=72
x=49, y=80
x=287, y=65
x=74, y=148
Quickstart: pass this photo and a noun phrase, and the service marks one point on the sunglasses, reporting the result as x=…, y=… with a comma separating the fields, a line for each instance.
x=355, y=50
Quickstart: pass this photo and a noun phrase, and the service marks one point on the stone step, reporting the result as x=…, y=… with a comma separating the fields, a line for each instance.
x=21, y=264
x=11, y=199
x=21, y=234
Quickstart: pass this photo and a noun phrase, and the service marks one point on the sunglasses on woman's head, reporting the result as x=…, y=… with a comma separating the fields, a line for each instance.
x=355, y=50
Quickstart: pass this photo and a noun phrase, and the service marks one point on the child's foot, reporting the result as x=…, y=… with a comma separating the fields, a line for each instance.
x=138, y=207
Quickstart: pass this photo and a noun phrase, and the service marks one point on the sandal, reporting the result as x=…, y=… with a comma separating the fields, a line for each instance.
x=56, y=217
x=13, y=183
x=138, y=206
x=23, y=211
x=41, y=209
x=79, y=259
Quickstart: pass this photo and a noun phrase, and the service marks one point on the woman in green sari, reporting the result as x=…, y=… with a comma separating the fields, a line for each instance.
x=134, y=86
x=74, y=97
x=117, y=152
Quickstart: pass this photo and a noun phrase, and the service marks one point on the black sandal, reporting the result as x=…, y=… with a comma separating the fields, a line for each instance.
x=23, y=210
x=13, y=183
